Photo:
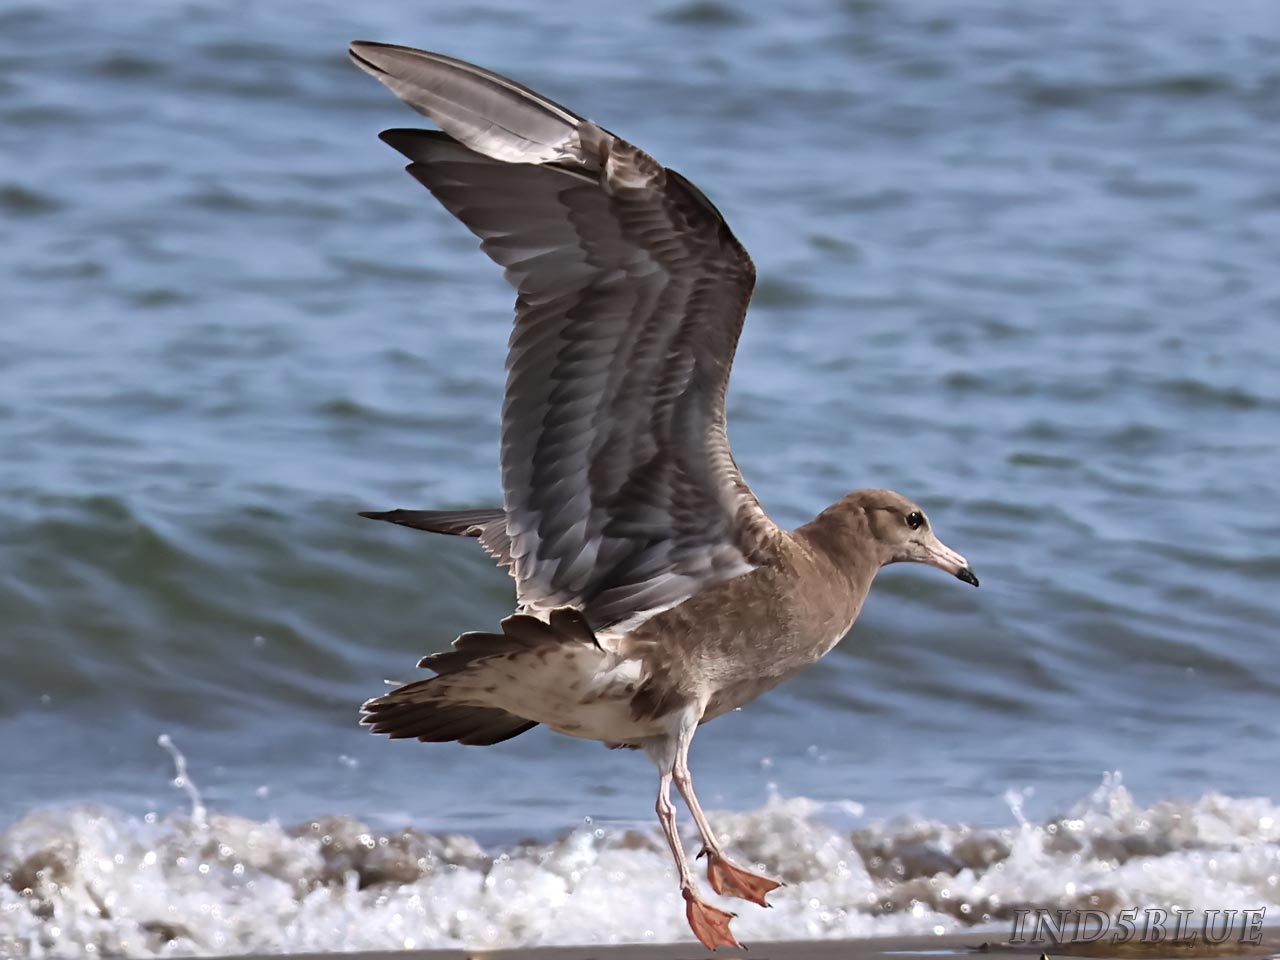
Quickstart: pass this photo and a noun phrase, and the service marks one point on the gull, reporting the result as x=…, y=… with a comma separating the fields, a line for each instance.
x=653, y=592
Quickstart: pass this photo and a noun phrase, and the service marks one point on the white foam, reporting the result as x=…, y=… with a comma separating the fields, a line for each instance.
x=96, y=881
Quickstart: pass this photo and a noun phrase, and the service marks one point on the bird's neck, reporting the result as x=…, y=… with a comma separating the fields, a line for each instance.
x=841, y=541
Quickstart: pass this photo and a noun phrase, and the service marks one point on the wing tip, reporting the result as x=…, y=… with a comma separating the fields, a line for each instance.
x=361, y=53
x=379, y=59
x=413, y=141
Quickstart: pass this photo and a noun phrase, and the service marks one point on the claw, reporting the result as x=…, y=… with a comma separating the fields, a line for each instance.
x=730, y=880
x=709, y=924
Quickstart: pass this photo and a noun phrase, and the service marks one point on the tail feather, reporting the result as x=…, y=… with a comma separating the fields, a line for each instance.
x=443, y=708
x=437, y=721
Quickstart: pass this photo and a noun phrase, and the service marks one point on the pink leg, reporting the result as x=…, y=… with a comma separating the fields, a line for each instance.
x=727, y=878
x=709, y=924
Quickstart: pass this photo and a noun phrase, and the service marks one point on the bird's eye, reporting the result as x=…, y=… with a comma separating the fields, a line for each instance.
x=915, y=519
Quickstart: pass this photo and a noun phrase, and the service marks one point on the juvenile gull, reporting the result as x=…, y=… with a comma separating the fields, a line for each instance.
x=653, y=592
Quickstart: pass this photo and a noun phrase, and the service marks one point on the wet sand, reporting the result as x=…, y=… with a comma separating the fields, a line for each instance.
x=975, y=945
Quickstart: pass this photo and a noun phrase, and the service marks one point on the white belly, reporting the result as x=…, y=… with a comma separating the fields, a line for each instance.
x=576, y=690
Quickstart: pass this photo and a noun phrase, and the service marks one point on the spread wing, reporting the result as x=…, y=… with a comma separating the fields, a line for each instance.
x=622, y=498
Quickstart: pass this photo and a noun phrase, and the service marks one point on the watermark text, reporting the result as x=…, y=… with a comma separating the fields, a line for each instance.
x=1148, y=925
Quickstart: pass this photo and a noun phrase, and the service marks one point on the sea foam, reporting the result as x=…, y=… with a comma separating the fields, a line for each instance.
x=91, y=880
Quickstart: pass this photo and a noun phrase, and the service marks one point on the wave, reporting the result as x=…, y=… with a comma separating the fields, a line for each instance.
x=88, y=879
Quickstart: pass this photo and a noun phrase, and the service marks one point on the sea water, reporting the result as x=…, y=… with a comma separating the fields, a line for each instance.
x=1017, y=261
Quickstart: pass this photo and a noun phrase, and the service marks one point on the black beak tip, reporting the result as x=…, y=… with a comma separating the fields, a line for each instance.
x=968, y=576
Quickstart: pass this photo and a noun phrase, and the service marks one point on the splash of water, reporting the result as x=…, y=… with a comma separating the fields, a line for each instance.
x=182, y=780
x=202, y=882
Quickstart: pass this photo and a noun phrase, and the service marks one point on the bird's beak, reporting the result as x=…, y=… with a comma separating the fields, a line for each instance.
x=938, y=554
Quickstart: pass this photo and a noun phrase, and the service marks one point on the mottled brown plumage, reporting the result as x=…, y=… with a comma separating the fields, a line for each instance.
x=653, y=591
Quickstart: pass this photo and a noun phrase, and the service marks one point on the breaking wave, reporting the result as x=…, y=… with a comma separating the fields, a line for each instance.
x=92, y=880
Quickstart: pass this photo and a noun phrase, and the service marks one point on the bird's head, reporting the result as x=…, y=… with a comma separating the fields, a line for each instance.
x=902, y=533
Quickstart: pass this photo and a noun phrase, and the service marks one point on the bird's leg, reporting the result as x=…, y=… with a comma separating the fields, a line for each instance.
x=727, y=878
x=709, y=924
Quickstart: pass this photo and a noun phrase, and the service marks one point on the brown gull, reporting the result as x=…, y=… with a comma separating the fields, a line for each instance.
x=653, y=591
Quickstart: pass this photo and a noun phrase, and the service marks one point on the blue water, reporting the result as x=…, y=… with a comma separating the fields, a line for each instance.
x=1016, y=261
